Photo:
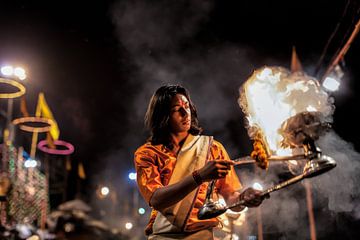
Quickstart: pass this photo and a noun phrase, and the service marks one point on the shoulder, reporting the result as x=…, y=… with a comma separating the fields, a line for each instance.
x=143, y=148
x=149, y=150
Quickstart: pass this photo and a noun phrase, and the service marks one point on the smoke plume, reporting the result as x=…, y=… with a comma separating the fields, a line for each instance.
x=335, y=192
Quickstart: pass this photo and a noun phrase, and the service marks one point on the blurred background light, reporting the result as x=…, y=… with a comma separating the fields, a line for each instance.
x=7, y=70
x=132, y=176
x=257, y=186
x=128, y=225
x=30, y=163
x=331, y=84
x=20, y=73
x=17, y=72
x=141, y=211
x=105, y=191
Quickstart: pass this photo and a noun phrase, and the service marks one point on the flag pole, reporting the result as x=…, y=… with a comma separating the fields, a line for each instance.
x=343, y=51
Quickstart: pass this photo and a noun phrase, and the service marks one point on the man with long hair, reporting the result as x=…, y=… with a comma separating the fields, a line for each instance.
x=175, y=165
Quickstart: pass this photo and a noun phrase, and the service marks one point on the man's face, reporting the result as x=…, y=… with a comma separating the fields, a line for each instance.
x=180, y=114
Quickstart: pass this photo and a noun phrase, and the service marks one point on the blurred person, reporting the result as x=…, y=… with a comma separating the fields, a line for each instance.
x=176, y=163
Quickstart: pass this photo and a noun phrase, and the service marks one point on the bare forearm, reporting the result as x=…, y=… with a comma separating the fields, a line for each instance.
x=168, y=195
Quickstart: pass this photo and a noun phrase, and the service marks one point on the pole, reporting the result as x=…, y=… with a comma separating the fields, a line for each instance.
x=32, y=155
x=259, y=216
x=259, y=223
x=33, y=144
x=67, y=169
x=310, y=210
x=9, y=111
x=343, y=51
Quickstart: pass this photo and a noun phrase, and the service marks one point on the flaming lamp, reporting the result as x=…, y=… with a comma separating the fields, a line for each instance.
x=286, y=113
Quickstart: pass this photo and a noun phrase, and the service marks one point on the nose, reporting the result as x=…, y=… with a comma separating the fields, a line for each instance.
x=184, y=112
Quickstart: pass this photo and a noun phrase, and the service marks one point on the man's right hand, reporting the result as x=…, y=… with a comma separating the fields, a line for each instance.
x=215, y=169
x=252, y=197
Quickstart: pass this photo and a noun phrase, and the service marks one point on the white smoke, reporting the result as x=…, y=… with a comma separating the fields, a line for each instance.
x=340, y=185
x=160, y=39
x=274, y=94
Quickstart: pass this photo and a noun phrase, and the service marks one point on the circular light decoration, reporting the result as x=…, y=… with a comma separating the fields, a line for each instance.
x=21, y=89
x=69, y=148
x=25, y=124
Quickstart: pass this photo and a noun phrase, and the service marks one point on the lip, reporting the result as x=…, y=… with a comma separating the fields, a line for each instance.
x=186, y=122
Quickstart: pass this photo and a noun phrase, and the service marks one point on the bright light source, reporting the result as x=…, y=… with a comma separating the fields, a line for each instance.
x=20, y=73
x=22, y=77
x=132, y=176
x=7, y=70
x=141, y=211
x=105, y=191
x=11, y=71
x=331, y=84
x=128, y=225
x=30, y=163
x=257, y=186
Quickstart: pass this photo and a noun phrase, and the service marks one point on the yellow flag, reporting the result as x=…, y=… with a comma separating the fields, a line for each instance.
x=81, y=171
x=43, y=110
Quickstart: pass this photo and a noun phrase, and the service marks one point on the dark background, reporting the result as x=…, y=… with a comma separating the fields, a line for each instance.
x=98, y=63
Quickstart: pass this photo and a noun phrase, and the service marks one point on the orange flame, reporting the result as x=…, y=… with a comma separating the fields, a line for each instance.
x=270, y=96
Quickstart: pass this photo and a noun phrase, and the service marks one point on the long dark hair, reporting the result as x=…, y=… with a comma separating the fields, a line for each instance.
x=158, y=114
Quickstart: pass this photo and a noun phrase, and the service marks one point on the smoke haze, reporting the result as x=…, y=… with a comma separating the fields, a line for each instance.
x=335, y=191
x=161, y=40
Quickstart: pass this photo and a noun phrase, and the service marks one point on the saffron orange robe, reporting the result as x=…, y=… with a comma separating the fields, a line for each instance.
x=154, y=165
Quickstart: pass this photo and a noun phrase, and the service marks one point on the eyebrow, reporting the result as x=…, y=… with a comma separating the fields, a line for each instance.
x=178, y=104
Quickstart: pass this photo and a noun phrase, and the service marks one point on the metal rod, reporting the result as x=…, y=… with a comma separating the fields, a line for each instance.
x=248, y=159
x=283, y=184
x=272, y=189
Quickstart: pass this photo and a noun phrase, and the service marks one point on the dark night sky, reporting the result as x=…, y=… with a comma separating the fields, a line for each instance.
x=99, y=61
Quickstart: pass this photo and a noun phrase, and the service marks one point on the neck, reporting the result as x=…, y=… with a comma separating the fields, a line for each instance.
x=178, y=138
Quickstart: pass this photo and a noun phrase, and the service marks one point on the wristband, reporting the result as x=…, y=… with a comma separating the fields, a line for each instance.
x=197, y=177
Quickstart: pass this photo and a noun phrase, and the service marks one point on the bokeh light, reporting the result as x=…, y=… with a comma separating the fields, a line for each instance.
x=105, y=191
x=258, y=186
x=141, y=211
x=132, y=176
x=128, y=225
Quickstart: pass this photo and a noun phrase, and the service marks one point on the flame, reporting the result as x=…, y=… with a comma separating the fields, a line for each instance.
x=271, y=95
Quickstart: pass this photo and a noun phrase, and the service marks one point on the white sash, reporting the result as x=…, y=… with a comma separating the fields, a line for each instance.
x=192, y=156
